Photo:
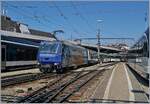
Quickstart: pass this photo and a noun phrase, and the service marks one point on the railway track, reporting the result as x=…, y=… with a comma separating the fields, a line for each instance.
x=42, y=91
x=60, y=90
x=24, y=78
x=65, y=92
x=17, y=79
x=71, y=82
x=9, y=98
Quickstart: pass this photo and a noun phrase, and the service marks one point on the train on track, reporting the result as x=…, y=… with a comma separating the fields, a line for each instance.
x=140, y=51
x=59, y=55
x=18, y=54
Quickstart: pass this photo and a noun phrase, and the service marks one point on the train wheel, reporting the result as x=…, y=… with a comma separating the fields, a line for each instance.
x=43, y=70
x=75, y=67
x=49, y=70
x=59, y=70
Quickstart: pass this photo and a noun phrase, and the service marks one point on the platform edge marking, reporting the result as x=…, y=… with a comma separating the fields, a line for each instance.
x=131, y=94
x=109, y=84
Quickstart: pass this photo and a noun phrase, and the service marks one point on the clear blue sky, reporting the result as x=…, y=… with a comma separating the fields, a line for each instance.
x=79, y=19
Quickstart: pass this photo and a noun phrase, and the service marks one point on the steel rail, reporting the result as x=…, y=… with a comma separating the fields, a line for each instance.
x=36, y=93
x=77, y=88
x=54, y=93
x=23, y=78
x=9, y=98
x=41, y=96
x=47, y=93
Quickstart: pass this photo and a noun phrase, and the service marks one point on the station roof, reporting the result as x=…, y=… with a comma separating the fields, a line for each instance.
x=19, y=41
x=25, y=36
x=103, y=49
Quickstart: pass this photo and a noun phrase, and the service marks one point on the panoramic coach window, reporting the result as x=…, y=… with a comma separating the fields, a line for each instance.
x=3, y=54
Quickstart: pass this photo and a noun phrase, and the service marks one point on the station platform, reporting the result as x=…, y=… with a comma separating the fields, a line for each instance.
x=122, y=86
x=142, y=70
x=20, y=72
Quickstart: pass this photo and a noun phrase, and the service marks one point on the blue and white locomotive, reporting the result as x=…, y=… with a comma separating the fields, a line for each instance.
x=58, y=55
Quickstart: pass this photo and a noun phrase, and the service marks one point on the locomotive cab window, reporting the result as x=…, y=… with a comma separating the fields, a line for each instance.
x=49, y=48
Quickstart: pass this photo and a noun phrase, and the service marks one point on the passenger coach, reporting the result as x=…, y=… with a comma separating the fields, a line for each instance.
x=17, y=53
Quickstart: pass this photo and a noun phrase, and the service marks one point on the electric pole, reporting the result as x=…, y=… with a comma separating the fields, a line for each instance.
x=98, y=43
x=98, y=47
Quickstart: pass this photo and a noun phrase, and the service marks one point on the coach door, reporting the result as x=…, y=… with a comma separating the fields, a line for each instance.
x=3, y=57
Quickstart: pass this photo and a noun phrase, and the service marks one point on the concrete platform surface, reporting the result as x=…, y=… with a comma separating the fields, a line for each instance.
x=12, y=73
x=122, y=86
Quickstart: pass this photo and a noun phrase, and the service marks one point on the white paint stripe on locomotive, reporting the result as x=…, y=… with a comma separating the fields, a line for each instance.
x=19, y=43
x=58, y=45
x=18, y=63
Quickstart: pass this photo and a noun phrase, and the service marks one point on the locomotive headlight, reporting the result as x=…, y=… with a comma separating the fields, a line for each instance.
x=56, y=63
x=38, y=63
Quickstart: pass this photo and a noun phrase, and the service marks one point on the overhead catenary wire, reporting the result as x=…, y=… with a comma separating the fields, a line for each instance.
x=33, y=17
x=65, y=18
x=81, y=16
x=27, y=15
x=122, y=10
x=41, y=19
